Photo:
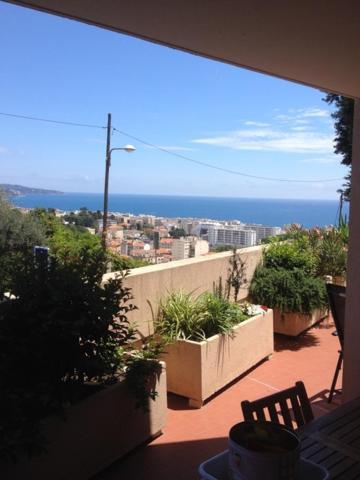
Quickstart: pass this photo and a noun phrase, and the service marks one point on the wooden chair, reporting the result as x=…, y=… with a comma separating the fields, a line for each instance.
x=337, y=300
x=286, y=407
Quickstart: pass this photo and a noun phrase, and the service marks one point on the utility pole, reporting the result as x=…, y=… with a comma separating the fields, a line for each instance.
x=106, y=187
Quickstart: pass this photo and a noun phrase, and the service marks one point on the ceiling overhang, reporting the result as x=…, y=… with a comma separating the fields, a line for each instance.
x=316, y=43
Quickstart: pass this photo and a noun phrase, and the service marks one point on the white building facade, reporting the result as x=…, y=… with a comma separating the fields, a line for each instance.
x=180, y=248
x=262, y=231
x=231, y=235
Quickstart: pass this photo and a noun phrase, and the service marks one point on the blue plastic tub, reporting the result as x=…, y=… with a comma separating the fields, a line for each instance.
x=216, y=468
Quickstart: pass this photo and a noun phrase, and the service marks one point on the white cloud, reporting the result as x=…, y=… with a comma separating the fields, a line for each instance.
x=321, y=160
x=301, y=128
x=256, y=124
x=313, y=112
x=273, y=140
x=303, y=115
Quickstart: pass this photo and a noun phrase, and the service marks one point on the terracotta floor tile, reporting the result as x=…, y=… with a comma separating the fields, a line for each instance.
x=193, y=435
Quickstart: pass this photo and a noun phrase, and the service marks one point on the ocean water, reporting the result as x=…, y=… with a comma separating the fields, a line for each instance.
x=274, y=212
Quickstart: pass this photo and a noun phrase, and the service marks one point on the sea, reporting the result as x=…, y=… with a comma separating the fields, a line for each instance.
x=272, y=212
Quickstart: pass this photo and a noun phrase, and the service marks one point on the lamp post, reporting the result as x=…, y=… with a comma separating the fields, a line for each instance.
x=109, y=150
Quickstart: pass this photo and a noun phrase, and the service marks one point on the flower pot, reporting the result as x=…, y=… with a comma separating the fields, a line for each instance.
x=263, y=450
x=197, y=370
x=95, y=433
x=292, y=324
x=339, y=280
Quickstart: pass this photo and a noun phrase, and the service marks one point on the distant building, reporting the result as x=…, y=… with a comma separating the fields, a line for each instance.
x=188, y=247
x=180, y=248
x=262, y=231
x=148, y=220
x=231, y=235
x=199, y=247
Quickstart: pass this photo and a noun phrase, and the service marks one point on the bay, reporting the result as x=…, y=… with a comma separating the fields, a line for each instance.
x=274, y=212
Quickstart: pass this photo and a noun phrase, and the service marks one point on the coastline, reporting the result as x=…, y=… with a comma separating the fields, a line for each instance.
x=261, y=211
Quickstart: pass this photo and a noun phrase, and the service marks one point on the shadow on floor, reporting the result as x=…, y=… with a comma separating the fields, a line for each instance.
x=320, y=405
x=304, y=340
x=178, y=461
x=176, y=402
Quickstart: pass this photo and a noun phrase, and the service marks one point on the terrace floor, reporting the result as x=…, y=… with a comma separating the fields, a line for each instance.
x=193, y=435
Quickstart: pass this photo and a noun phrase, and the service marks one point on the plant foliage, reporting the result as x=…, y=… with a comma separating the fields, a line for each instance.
x=290, y=255
x=236, y=274
x=19, y=233
x=344, y=117
x=287, y=290
x=60, y=329
x=184, y=316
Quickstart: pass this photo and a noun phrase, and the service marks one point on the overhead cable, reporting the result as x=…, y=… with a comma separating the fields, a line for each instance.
x=222, y=169
x=60, y=122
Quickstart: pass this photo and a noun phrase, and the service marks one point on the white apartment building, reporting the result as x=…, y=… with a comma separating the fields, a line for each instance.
x=231, y=235
x=199, y=247
x=188, y=247
x=262, y=231
x=180, y=248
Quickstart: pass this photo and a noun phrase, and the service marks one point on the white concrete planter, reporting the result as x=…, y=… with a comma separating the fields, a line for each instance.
x=197, y=370
x=96, y=432
x=292, y=324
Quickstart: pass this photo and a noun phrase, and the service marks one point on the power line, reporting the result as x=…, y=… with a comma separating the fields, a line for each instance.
x=47, y=120
x=222, y=169
x=169, y=152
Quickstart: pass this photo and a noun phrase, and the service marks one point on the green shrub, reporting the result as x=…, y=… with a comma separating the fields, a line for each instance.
x=290, y=255
x=19, y=233
x=287, y=290
x=183, y=316
x=332, y=253
x=60, y=329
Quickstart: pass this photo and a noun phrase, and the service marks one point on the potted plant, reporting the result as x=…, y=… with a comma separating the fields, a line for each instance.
x=210, y=342
x=286, y=282
x=69, y=388
x=332, y=254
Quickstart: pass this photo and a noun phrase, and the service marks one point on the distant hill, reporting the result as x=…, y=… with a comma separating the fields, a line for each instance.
x=14, y=190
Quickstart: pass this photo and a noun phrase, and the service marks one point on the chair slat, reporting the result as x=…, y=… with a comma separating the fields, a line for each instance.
x=285, y=413
x=273, y=413
x=298, y=416
x=260, y=415
x=299, y=401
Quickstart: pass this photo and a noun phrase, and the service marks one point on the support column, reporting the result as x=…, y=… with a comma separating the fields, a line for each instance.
x=351, y=374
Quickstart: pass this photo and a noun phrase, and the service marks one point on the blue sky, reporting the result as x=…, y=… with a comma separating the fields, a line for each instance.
x=215, y=113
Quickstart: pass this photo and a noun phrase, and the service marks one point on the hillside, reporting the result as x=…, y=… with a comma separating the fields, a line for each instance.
x=14, y=190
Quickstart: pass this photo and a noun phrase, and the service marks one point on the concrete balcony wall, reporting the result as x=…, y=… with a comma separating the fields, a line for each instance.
x=150, y=284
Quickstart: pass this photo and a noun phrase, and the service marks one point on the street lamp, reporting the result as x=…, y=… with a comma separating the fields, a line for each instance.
x=126, y=148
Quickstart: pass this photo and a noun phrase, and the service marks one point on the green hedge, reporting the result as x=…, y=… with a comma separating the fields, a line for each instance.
x=287, y=290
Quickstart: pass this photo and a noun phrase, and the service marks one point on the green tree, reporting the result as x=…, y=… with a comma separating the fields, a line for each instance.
x=177, y=233
x=19, y=233
x=84, y=218
x=69, y=243
x=120, y=263
x=343, y=116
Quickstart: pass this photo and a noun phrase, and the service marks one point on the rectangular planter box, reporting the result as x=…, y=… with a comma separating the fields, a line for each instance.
x=197, y=370
x=96, y=432
x=292, y=324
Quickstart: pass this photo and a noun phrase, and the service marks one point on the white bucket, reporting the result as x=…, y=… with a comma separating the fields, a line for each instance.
x=263, y=450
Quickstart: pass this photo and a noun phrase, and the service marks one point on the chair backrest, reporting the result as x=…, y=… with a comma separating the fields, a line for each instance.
x=337, y=300
x=286, y=407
